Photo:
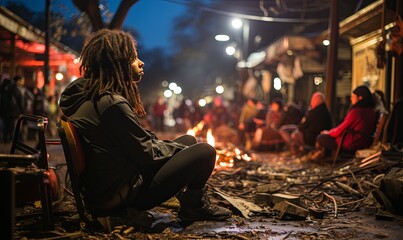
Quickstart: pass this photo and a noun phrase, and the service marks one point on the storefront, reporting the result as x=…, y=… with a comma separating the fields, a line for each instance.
x=22, y=48
x=289, y=63
x=300, y=62
x=364, y=33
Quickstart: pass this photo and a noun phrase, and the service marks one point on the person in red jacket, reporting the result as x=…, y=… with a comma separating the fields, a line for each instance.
x=359, y=123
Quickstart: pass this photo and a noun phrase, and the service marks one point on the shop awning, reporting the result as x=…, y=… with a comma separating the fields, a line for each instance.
x=24, y=43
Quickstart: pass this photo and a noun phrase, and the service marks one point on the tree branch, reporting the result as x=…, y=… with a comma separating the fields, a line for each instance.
x=121, y=13
x=91, y=8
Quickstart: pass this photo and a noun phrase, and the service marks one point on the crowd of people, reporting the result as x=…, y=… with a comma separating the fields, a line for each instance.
x=290, y=126
x=254, y=125
x=17, y=99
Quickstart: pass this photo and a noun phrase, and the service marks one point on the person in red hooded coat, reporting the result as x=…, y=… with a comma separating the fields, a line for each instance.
x=359, y=123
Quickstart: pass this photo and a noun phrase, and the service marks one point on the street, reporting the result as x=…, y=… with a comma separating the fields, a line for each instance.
x=253, y=188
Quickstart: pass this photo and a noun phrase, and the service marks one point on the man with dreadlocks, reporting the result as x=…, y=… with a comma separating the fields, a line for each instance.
x=127, y=166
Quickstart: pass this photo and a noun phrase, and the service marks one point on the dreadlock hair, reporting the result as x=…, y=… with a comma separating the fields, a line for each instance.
x=106, y=61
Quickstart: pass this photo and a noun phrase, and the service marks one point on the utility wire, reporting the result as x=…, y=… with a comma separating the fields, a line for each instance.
x=252, y=17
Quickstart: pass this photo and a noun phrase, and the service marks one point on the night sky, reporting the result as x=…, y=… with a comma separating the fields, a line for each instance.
x=151, y=18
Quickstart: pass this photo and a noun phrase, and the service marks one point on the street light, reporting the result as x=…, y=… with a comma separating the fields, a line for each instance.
x=277, y=83
x=167, y=93
x=237, y=24
x=222, y=38
x=230, y=50
x=219, y=89
x=239, y=53
x=172, y=86
x=177, y=90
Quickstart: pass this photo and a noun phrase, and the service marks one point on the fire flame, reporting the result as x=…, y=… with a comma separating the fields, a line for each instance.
x=191, y=132
x=196, y=129
x=227, y=155
x=210, y=138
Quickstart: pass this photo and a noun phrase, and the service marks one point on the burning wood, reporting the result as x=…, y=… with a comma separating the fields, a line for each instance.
x=227, y=153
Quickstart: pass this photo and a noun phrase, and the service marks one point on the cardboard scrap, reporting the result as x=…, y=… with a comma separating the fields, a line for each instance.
x=244, y=206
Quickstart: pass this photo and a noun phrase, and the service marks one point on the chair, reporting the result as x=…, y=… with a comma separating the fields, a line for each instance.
x=393, y=133
x=376, y=139
x=76, y=164
x=28, y=164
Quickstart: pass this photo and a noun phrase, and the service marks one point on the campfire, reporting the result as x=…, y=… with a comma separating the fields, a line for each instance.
x=227, y=153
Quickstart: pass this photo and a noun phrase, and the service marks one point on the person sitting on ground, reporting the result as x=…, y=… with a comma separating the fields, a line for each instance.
x=316, y=120
x=359, y=125
x=268, y=133
x=127, y=166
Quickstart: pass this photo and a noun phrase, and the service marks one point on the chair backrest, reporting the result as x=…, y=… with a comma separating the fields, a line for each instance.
x=393, y=133
x=19, y=145
x=76, y=151
x=75, y=160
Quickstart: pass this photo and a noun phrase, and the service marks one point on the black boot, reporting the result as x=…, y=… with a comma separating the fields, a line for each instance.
x=195, y=206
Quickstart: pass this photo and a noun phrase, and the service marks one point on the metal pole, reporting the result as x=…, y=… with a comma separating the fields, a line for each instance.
x=245, y=37
x=13, y=60
x=47, y=43
x=331, y=68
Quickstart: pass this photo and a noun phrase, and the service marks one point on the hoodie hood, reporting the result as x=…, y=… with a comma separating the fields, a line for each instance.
x=72, y=97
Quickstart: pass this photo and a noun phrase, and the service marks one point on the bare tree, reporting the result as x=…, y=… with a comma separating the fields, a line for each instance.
x=91, y=8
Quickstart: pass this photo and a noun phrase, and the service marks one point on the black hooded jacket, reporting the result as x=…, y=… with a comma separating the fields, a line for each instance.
x=317, y=120
x=116, y=146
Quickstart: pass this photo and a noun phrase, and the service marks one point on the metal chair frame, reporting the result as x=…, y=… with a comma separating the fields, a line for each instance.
x=23, y=155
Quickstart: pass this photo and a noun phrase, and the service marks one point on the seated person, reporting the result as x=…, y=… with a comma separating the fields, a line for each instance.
x=359, y=123
x=293, y=114
x=217, y=115
x=316, y=120
x=268, y=134
x=127, y=166
x=259, y=119
x=246, y=126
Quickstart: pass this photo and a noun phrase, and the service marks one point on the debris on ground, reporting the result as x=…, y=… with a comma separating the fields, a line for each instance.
x=272, y=195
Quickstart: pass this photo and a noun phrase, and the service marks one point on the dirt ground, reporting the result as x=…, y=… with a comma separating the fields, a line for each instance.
x=249, y=188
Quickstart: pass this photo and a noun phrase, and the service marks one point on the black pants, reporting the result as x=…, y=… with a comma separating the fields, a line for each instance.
x=190, y=168
x=327, y=142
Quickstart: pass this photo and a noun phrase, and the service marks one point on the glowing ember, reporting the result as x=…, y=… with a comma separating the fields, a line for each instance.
x=246, y=157
x=210, y=138
x=228, y=164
